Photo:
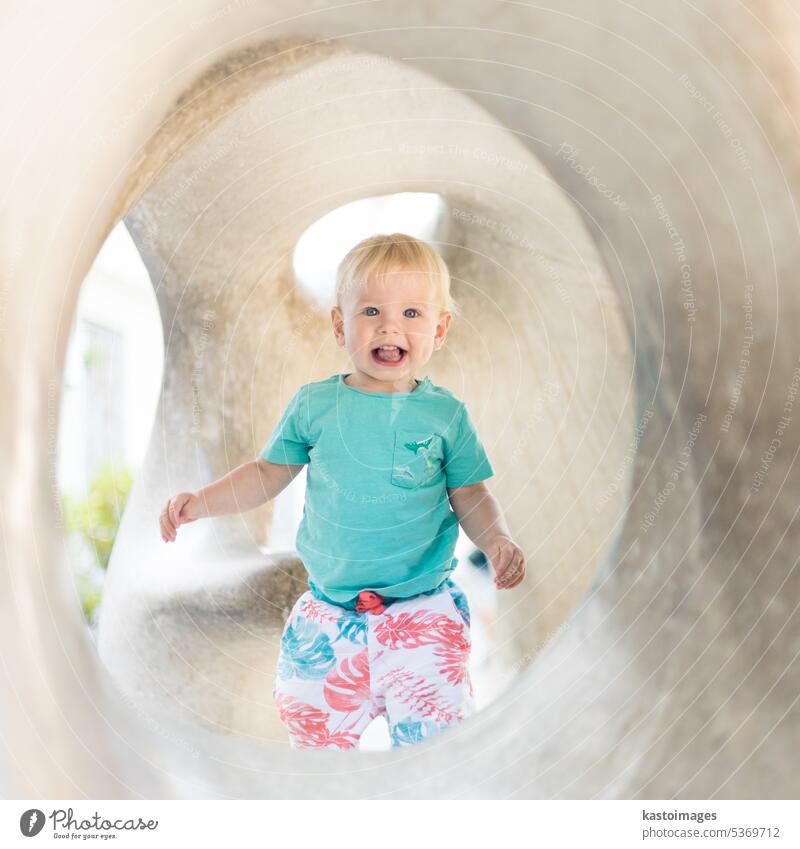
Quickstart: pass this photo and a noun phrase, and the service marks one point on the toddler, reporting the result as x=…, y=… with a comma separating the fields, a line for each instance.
x=394, y=466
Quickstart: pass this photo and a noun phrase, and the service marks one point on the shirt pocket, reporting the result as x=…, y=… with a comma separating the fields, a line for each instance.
x=417, y=459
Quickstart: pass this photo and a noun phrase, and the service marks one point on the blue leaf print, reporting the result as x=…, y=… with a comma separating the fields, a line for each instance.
x=352, y=626
x=410, y=731
x=305, y=651
x=459, y=597
x=461, y=602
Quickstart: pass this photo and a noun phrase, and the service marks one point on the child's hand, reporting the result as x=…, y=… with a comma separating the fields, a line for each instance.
x=508, y=562
x=181, y=509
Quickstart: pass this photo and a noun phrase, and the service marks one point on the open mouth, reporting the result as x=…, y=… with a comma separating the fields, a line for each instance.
x=389, y=355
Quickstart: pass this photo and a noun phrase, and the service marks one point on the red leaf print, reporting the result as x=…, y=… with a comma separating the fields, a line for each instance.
x=324, y=739
x=453, y=663
x=307, y=724
x=420, y=695
x=298, y=716
x=314, y=611
x=411, y=630
x=451, y=633
x=347, y=685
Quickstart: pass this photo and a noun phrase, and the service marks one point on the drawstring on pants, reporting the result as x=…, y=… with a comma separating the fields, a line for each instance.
x=370, y=602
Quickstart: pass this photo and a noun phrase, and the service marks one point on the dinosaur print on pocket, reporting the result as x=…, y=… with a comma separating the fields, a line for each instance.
x=417, y=458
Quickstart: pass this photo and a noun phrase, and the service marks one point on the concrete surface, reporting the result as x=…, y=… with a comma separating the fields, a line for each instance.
x=648, y=169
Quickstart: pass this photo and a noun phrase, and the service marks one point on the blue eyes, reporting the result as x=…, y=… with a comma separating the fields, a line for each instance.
x=405, y=312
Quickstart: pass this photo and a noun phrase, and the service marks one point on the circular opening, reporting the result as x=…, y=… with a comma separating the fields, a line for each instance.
x=536, y=354
x=322, y=245
x=112, y=379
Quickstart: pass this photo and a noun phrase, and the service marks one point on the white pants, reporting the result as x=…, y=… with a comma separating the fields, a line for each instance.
x=338, y=669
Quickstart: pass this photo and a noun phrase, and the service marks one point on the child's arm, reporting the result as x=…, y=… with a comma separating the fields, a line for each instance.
x=246, y=487
x=479, y=513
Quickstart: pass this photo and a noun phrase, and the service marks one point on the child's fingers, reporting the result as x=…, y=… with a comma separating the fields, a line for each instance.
x=511, y=575
x=517, y=580
x=508, y=557
x=167, y=524
x=183, y=512
x=522, y=567
x=506, y=585
x=169, y=534
x=173, y=516
x=503, y=560
x=165, y=532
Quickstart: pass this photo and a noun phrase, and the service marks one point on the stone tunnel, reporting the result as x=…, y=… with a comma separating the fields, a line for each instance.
x=618, y=186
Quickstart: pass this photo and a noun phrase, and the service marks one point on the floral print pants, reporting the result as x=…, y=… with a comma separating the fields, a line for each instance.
x=407, y=658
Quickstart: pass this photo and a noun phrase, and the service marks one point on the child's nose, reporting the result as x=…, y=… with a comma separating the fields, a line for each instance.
x=389, y=325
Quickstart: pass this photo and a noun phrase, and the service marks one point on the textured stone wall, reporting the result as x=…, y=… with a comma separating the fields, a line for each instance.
x=665, y=645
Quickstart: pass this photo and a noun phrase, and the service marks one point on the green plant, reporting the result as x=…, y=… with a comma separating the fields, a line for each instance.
x=92, y=356
x=91, y=594
x=97, y=515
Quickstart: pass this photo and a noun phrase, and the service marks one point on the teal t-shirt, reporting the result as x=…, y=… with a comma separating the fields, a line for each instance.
x=376, y=515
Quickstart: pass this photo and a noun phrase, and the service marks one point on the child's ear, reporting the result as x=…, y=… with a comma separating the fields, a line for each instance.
x=441, y=329
x=337, y=320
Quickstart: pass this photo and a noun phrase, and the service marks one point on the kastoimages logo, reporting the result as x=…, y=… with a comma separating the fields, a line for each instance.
x=31, y=822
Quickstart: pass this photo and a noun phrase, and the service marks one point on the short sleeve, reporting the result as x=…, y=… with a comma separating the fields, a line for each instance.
x=466, y=461
x=289, y=443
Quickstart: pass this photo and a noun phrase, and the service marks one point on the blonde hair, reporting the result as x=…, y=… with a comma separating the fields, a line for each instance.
x=393, y=252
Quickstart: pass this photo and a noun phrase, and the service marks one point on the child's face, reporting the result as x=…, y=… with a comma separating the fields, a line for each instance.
x=400, y=309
